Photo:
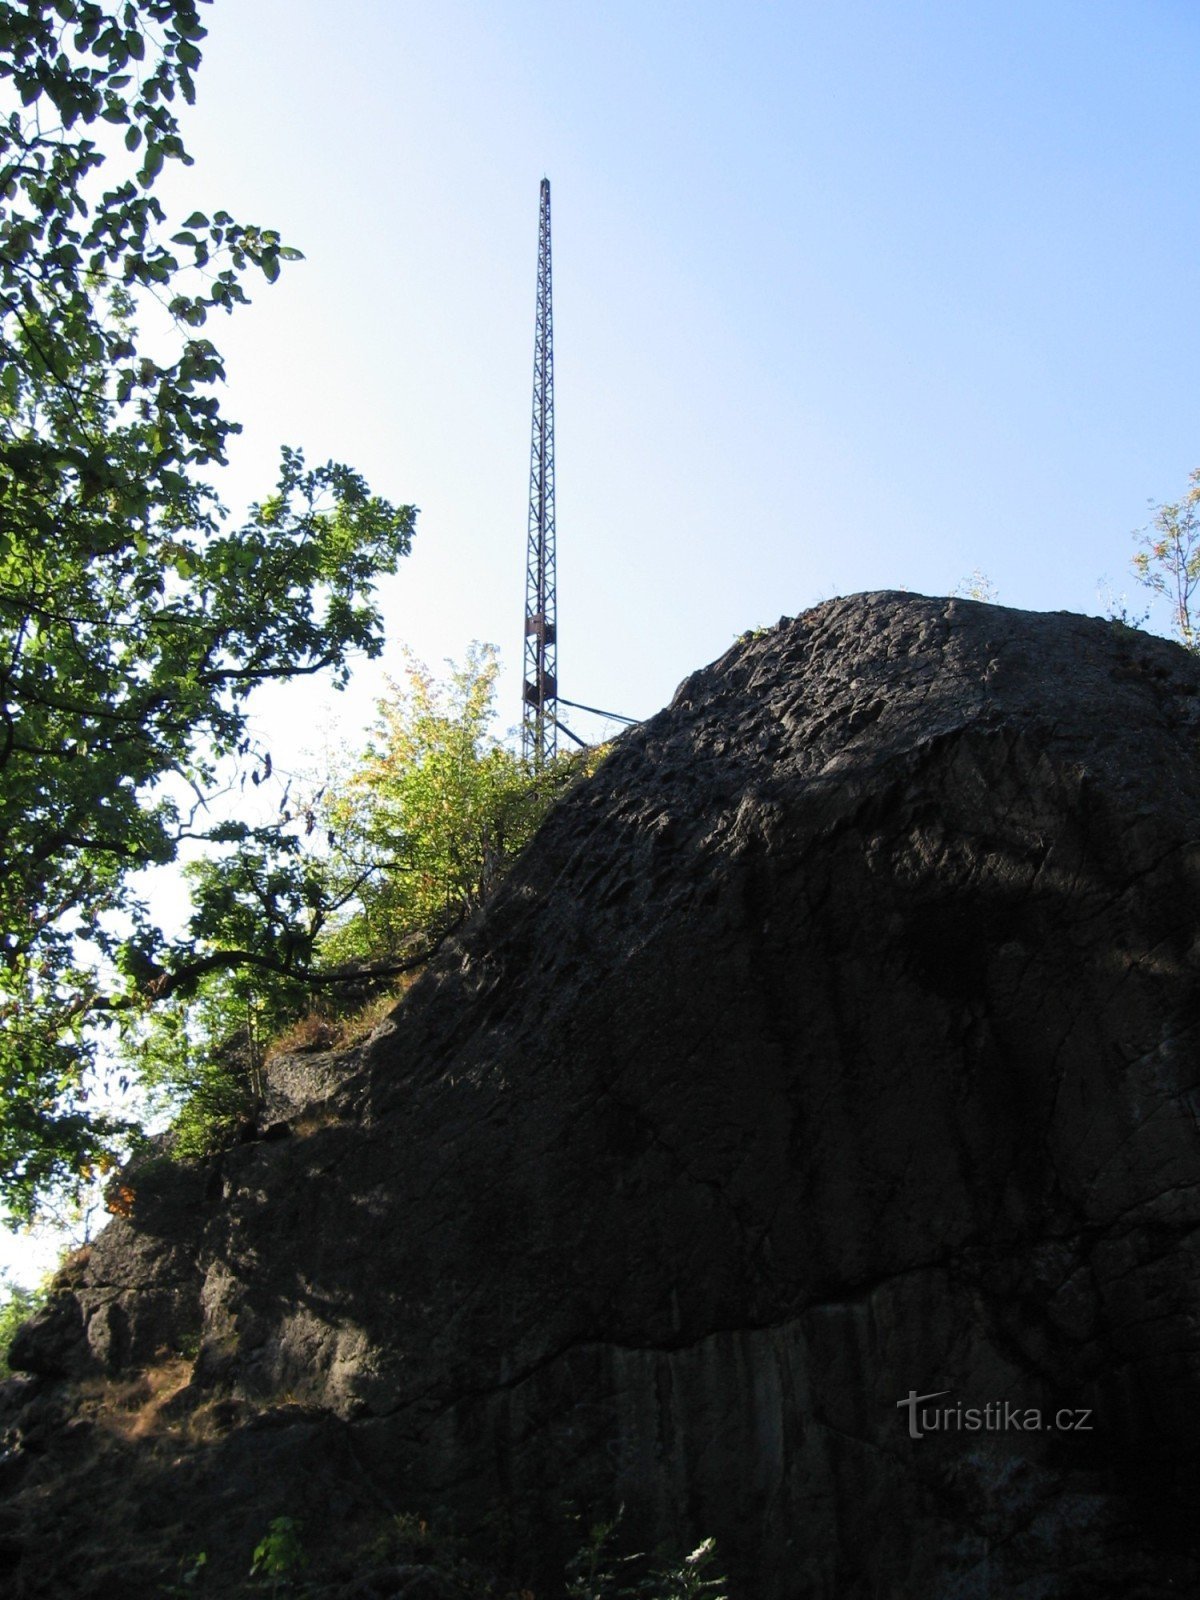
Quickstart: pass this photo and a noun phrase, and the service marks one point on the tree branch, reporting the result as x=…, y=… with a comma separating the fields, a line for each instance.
x=181, y=980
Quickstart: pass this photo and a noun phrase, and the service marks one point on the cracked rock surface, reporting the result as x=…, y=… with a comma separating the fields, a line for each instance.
x=836, y=1043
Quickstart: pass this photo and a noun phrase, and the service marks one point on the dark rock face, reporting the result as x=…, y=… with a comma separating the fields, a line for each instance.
x=836, y=1044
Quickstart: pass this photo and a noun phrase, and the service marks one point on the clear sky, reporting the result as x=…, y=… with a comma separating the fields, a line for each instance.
x=847, y=296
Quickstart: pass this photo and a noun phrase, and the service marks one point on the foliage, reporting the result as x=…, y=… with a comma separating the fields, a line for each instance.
x=436, y=811
x=407, y=1538
x=1116, y=607
x=17, y=1305
x=380, y=864
x=279, y=1556
x=191, y=1576
x=134, y=620
x=687, y=1578
x=593, y=1572
x=978, y=586
x=597, y=1572
x=200, y=1059
x=434, y=1554
x=1169, y=560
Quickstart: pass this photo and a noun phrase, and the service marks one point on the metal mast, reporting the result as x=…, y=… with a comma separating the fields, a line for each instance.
x=539, y=740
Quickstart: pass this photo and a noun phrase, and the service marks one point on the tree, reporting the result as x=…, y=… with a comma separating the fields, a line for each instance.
x=371, y=875
x=1169, y=561
x=435, y=812
x=135, y=621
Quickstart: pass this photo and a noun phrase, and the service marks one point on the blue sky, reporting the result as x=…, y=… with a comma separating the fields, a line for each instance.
x=846, y=297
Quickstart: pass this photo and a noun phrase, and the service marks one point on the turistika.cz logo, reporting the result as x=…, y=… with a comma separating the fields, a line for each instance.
x=997, y=1416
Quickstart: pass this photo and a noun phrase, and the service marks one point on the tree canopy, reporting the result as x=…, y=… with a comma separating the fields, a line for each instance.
x=435, y=810
x=136, y=619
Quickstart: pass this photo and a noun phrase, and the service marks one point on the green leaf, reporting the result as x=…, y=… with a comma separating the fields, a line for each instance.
x=151, y=166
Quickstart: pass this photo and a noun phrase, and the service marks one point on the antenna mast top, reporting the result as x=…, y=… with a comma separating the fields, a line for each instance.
x=539, y=727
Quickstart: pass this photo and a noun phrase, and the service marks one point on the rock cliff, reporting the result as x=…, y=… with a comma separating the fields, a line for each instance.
x=835, y=1044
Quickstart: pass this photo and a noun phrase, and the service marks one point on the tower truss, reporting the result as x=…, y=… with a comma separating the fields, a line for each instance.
x=539, y=725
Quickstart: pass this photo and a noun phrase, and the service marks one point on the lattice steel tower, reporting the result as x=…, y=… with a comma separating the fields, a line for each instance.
x=539, y=727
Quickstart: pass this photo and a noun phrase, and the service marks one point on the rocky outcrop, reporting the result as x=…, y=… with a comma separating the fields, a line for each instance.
x=834, y=1045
